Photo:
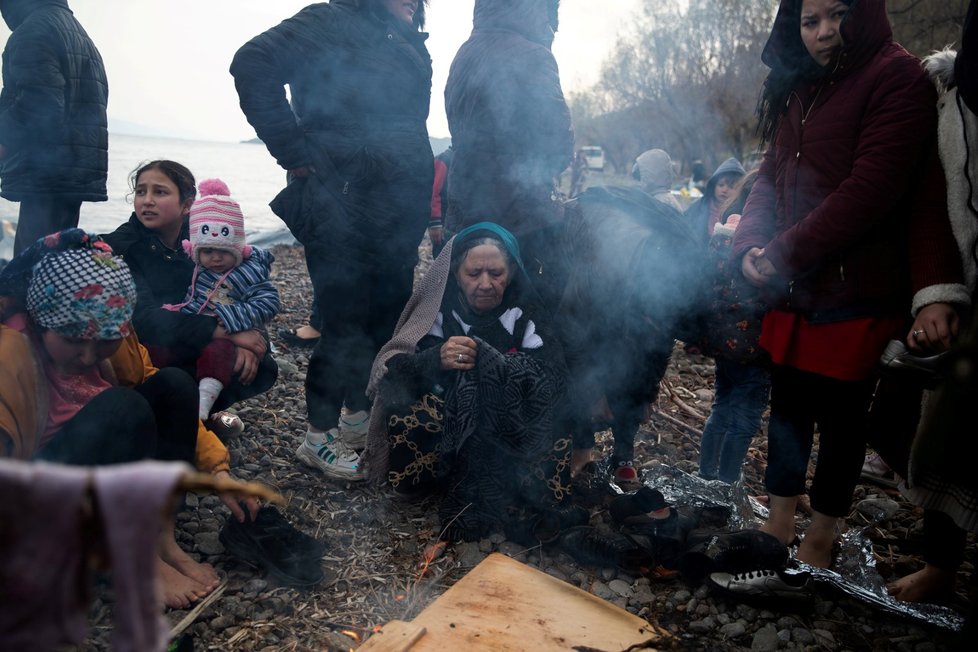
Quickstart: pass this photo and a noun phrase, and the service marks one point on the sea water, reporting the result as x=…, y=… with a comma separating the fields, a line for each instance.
x=248, y=169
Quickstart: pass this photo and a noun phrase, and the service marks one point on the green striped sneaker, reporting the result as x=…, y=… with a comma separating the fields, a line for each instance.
x=331, y=456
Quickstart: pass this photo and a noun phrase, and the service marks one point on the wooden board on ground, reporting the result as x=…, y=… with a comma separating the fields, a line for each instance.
x=503, y=604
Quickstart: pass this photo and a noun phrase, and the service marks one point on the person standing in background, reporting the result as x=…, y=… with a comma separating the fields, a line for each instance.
x=54, y=137
x=653, y=169
x=355, y=143
x=511, y=130
x=439, y=201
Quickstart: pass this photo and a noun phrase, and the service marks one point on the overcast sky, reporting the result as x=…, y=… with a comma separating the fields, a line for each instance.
x=167, y=61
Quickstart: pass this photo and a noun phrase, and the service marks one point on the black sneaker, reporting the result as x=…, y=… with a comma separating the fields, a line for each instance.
x=591, y=546
x=290, y=556
x=270, y=521
x=731, y=552
x=769, y=585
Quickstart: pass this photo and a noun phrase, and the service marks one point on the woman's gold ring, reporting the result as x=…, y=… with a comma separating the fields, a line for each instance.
x=461, y=358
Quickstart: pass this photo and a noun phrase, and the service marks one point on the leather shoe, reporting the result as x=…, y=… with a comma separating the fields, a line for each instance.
x=292, y=338
x=226, y=425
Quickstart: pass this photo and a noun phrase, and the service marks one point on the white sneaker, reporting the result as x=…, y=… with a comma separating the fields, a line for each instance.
x=353, y=429
x=331, y=456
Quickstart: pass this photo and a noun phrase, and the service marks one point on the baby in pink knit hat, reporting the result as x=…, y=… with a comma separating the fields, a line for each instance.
x=230, y=282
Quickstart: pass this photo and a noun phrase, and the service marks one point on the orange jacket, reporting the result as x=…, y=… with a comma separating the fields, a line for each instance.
x=24, y=401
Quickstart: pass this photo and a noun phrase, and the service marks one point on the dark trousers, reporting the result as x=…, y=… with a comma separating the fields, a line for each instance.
x=360, y=297
x=42, y=215
x=628, y=385
x=156, y=420
x=799, y=401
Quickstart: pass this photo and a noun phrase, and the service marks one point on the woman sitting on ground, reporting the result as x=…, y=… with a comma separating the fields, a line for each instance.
x=466, y=390
x=77, y=388
x=150, y=243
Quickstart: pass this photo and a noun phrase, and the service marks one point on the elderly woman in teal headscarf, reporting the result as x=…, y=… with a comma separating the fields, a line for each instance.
x=464, y=392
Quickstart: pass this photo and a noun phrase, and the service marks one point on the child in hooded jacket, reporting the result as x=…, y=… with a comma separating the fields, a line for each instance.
x=230, y=282
x=730, y=333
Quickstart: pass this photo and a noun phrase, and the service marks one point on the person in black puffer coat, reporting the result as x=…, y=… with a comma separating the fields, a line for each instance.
x=511, y=131
x=54, y=138
x=355, y=143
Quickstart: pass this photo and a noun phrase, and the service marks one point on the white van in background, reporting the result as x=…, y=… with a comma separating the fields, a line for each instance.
x=594, y=156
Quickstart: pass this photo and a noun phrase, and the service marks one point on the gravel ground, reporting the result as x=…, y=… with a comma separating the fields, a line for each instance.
x=374, y=566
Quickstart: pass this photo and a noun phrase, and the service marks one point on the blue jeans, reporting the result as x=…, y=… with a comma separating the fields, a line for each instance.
x=742, y=393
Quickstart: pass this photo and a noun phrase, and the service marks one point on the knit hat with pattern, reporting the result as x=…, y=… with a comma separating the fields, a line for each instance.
x=216, y=222
x=75, y=286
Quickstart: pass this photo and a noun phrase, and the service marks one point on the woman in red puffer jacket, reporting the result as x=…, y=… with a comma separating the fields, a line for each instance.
x=845, y=188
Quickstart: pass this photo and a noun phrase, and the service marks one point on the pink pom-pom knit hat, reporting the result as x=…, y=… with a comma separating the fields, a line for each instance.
x=216, y=222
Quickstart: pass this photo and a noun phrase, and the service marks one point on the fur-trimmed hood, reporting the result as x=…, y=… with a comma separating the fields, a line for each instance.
x=940, y=67
x=957, y=136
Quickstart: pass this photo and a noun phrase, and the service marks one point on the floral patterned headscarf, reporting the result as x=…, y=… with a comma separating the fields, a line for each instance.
x=72, y=284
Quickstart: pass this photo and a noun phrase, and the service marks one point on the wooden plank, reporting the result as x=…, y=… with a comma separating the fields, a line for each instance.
x=505, y=605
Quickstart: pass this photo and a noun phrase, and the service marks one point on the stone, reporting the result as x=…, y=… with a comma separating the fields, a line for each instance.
x=621, y=587
x=765, y=639
x=681, y=596
x=802, y=636
x=704, y=626
x=733, y=630
x=468, y=554
x=485, y=545
x=881, y=509
x=208, y=543
x=256, y=585
x=824, y=638
x=601, y=590
x=787, y=622
x=221, y=622
x=784, y=635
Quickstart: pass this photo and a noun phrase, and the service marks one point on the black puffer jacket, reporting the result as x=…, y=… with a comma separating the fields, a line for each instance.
x=510, y=125
x=361, y=85
x=52, y=108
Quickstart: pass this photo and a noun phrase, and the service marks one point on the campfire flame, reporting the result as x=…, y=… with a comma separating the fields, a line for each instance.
x=352, y=634
x=431, y=553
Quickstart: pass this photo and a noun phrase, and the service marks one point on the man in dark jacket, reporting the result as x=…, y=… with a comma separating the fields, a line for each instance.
x=355, y=142
x=510, y=125
x=54, y=139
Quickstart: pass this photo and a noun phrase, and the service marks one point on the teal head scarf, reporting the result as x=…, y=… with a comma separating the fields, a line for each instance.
x=465, y=239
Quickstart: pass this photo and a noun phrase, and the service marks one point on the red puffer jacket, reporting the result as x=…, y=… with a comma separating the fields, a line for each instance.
x=850, y=175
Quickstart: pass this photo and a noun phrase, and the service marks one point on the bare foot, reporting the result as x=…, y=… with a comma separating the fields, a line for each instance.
x=816, y=549
x=307, y=332
x=179, y=591
x=926, y=585
x=783, y=532
x=202, y=574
